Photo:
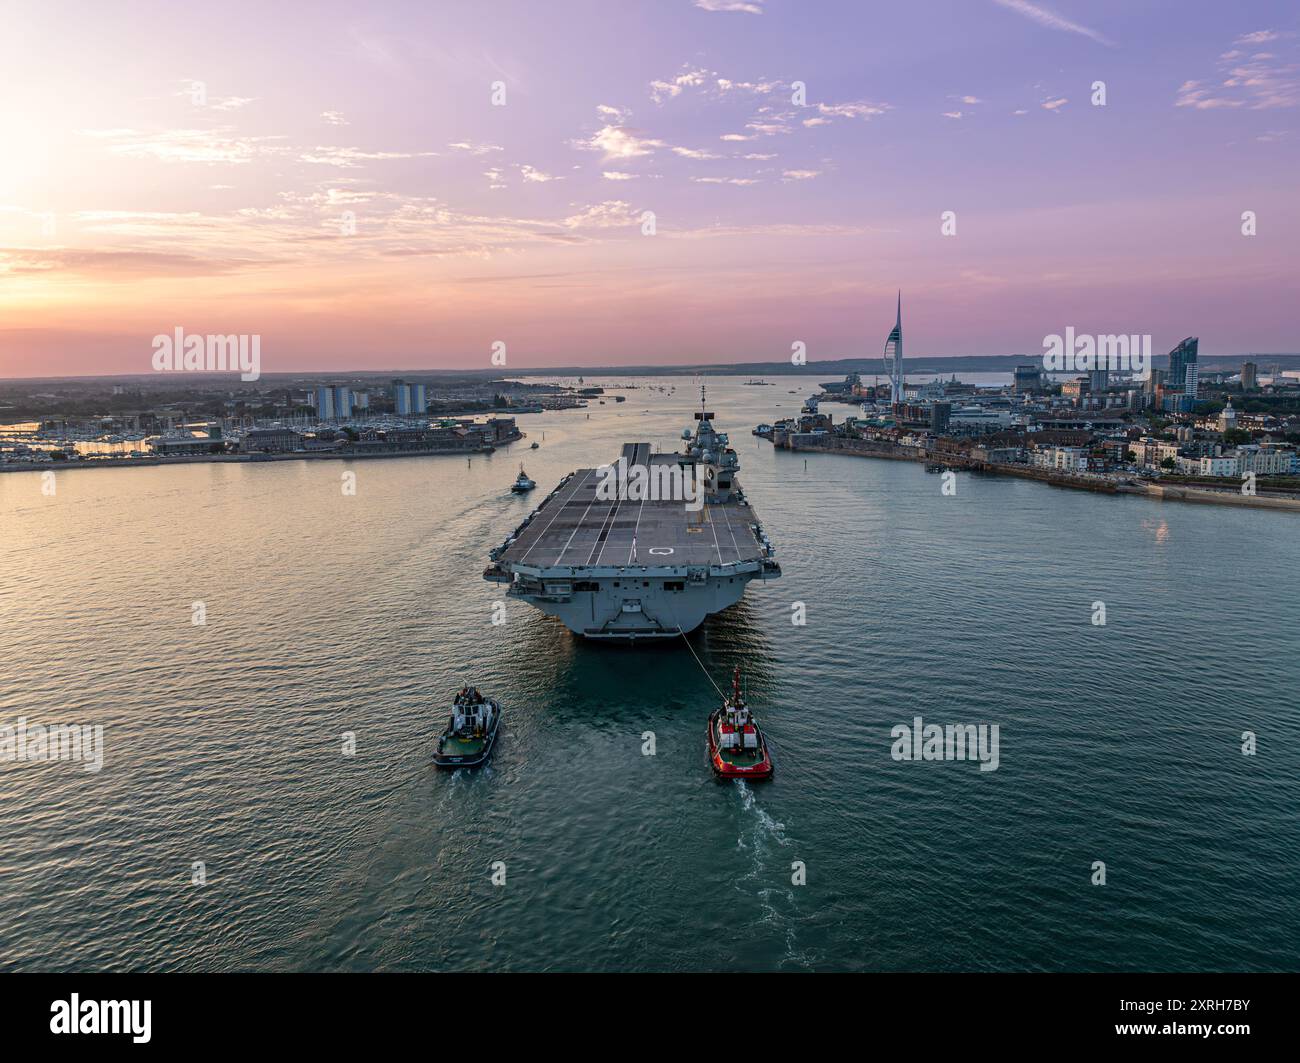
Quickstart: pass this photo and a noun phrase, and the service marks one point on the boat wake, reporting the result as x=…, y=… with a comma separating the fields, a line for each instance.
x=768, y=880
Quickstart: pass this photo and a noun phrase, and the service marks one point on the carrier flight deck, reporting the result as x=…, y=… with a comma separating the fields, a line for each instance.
x=640, y=567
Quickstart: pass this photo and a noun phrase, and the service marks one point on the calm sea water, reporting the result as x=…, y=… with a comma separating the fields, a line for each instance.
x=328, y=614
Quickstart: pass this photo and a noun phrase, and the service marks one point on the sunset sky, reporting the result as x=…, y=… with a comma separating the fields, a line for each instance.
x=133, y=201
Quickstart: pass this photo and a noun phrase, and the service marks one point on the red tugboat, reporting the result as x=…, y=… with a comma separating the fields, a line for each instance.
x=737, y=748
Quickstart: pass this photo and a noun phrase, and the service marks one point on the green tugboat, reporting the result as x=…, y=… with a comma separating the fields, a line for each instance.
x=471, y=731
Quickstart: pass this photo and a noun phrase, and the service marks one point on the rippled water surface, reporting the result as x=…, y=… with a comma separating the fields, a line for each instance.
x=328, y=614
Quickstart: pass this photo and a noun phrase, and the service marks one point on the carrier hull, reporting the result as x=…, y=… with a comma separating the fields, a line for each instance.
x=628, y=566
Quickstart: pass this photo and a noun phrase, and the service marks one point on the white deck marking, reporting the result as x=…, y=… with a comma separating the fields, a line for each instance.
x=667, y=527
x=577, y=528
x=560, y=501
x=611, y=516
x=734, y=545
x=635, y=529
x=714, y=528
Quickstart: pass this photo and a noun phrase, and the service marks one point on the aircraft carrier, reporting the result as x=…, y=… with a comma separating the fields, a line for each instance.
x=628, y=568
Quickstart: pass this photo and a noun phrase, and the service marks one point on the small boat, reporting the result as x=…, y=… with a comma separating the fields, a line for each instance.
x=737, y=748
x=471, y=731
x=535, y=445
x=522, y=482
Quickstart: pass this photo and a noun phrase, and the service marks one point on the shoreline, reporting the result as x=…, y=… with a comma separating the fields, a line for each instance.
x=1097, y=485
x=239, y=459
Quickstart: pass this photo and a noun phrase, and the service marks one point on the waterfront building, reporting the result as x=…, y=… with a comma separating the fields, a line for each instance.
x=1265, y=461
x=1183, y=367
x=180, y=443
x=1070, y=459
x=1288, y=460
x=1219, y=465
x=501, y=429
x=271, y=441
x=1000, y=455
x=1151, y=452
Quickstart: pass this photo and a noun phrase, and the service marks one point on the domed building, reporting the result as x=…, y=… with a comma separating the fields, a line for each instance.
x=1228, y=418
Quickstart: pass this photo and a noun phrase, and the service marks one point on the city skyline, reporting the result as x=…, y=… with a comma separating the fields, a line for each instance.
x=403, y=189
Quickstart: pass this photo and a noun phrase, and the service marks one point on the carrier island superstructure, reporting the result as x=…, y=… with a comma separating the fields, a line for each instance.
x=628, y=568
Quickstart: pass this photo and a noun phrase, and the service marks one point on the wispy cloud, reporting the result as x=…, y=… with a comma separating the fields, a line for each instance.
x=749, y=7
x=532, y=174
x=112, y=264
x=1258, y=81
x=761, y=88
x=710, y=83
x=860, y=109
x=615, y=142
x=1051, y=19
x=231, y=103
x=1195, y=94
x=214, y=103
x=220, y=145
x=352, y=158
x=610, y=213
x=691, y=77
x=473, y=149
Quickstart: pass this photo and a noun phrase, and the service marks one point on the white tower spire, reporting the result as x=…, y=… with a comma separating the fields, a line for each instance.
x=894, y=355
